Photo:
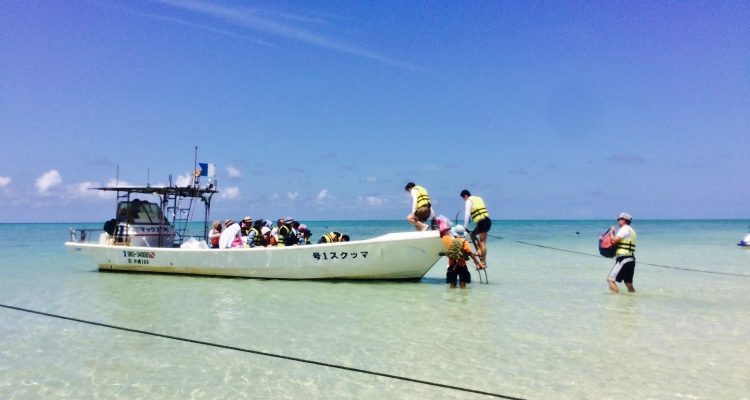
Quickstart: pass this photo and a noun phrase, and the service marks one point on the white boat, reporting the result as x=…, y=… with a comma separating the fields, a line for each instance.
x=407, y=255
x=745, y=242
x=140, y=239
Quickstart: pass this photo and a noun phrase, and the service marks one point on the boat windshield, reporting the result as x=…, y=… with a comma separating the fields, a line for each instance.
x=139, y=212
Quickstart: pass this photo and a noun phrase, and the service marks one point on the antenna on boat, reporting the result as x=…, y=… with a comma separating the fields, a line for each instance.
x=195, y=168
x=148, y=177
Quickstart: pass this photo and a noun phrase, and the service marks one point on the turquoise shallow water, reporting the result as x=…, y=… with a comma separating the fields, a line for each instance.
x=546, y=327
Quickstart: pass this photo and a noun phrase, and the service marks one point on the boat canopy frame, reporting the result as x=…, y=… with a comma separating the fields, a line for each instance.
x=171, y=203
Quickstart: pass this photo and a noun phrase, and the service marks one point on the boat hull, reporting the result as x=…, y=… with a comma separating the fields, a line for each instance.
x=745, y=242
x=407, y=255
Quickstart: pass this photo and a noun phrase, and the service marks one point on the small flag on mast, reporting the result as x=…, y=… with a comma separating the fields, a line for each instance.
x=207, y=169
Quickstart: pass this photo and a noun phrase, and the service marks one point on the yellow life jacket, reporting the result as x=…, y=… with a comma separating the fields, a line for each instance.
x=423, y=199
x=626, y=247
x=332, y=237
x=258, y=239
x=478, y=210
x=283, y=234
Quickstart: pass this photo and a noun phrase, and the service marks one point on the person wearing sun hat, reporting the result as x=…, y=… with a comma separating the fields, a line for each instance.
x=458, y=252
x=624, y=267
x=229, y=234
x=246, y=224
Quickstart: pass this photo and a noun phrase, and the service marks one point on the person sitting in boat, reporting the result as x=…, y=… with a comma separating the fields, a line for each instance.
x=333, y=237
x=255, y=236
x=230, y=236
x=458, y=252
x=285, y=235
x=304, y=234
x=269, y=236
x=213, y=236
x=245, y=225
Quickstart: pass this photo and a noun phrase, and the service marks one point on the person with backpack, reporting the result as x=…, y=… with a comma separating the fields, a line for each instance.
x=458, y=252
x=624, y=267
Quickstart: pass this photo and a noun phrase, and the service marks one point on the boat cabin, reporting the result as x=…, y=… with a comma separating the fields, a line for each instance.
x=140, y=223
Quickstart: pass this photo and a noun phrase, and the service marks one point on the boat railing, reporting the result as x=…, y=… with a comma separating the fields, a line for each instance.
x=91, y=236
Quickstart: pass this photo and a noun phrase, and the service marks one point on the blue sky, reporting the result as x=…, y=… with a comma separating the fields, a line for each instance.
x=325, y=110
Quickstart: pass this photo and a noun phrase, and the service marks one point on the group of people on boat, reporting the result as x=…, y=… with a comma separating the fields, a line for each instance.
x=249, y=233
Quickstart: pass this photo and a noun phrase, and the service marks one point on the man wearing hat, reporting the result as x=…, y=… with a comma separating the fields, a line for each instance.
x=245, y=226
x=624, y=267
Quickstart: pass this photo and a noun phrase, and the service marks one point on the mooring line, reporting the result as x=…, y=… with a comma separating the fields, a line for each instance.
x=267, y=354
x=639, y=262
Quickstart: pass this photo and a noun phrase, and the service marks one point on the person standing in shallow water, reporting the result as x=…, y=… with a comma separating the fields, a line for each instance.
x=624, y=267
x=458, y=252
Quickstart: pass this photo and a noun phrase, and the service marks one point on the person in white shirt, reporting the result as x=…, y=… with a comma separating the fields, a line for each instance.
x=421, y=207
x=624, y=267
x=229, y=234
x=475, y=208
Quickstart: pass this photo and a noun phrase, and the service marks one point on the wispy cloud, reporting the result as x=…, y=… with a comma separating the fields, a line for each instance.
x=519, y=171
x=374, y=201
x=322, y=195
x=626, y=159
x=5, y=181
x=83, y=190
x=230, y=193
x=208, y=28
x=233, y=172
x=283, y=25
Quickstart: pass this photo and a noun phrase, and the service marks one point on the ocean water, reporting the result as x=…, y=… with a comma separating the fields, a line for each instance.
x=545, y=327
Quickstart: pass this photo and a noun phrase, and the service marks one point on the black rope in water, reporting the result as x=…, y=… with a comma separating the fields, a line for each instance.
x=263, y=353
x=639, y=262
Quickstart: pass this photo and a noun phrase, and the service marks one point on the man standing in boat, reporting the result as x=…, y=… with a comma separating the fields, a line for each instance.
x=624, y=267
x=421, y=207
x=475, y=208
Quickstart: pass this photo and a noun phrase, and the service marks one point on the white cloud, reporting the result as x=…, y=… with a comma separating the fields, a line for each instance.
x=114, y=183
x=48, y=180
x=83, y=190
x=323, y=194
x=233, y=172
x=184, y=180
x=374, y=201
x=292, y=195
x=371, y=179
x=230, y=193
x=5, y=181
